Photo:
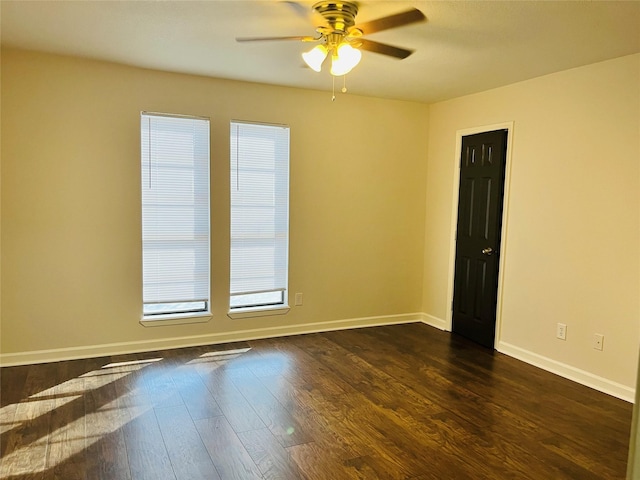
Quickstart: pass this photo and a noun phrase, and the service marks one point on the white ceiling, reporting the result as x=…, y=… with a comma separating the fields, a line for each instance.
x=464, y=47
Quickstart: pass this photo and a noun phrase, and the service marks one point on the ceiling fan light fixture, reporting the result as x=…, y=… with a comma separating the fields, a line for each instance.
x=342, y=38
x=344, y=59
x=315, y=57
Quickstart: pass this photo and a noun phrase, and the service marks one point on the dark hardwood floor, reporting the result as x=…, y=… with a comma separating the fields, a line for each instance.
x=405, y=401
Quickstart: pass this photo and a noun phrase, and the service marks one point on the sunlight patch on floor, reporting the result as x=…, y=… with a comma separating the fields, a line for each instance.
x=225, y=354
x=131, y=363
x=84, y=410
x=27, y=410
x=73, y=436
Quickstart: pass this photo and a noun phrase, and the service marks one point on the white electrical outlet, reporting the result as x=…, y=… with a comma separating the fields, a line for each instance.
x=298, y=299
x=598, y=341
x=561, y=331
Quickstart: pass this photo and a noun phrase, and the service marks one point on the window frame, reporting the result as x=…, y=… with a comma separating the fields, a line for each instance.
x=188, y=315
x=267, y=308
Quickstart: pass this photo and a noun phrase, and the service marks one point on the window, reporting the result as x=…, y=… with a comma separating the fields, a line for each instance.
x=175, y=214
x=259, y=216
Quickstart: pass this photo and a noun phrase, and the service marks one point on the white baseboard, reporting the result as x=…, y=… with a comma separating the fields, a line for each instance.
x=90, y=351
x=434, y=321
x=567, y=371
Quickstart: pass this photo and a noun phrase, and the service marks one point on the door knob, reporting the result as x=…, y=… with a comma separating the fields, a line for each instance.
x=487, y=251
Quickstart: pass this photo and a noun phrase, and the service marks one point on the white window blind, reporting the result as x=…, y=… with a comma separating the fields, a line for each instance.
x=259, y=214
x=175, y=213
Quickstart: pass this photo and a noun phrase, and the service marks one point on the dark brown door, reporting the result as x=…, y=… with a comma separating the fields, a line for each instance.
x=475, y=291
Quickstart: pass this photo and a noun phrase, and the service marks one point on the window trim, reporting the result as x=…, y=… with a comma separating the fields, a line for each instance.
x=175, y=319
x=260, y=311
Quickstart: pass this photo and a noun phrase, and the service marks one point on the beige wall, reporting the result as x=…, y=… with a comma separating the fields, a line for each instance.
x=71, y=261
x=572, y=245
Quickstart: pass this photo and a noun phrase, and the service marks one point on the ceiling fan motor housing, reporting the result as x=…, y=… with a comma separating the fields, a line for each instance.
x=340, y=16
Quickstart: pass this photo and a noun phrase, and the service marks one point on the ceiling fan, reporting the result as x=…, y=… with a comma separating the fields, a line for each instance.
x=340, y=37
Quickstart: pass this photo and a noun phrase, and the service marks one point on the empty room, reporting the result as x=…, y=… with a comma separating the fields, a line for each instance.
x=319, y=240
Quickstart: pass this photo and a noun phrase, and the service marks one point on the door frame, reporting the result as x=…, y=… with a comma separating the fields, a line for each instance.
x=508, y=126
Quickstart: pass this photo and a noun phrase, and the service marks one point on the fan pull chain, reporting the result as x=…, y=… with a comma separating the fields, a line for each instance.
x=333, y=87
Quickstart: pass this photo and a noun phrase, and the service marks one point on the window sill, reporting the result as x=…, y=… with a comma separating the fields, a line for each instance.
x=258, y=311
x=176, y=319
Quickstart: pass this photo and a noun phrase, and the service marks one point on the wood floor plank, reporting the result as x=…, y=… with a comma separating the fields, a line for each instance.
x=159, y=383
x=232, y=403
x=146, y=451
x=282, y=425
x=194, y=393
x=67, y=429
x=189, y=457
x=106, y=451
x=313, y=419
x=307, y=457
x=25, y=446
x=271, y=458
x=371, y=467
x=231, y=459
x=12, y=384
x=7, y=421
x=306, y=372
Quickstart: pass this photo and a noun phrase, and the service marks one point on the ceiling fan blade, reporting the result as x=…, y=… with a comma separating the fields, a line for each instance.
x=262, y=39
x=308, y=14
x=299, y=9
x=384, y=48
x=392, y=21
